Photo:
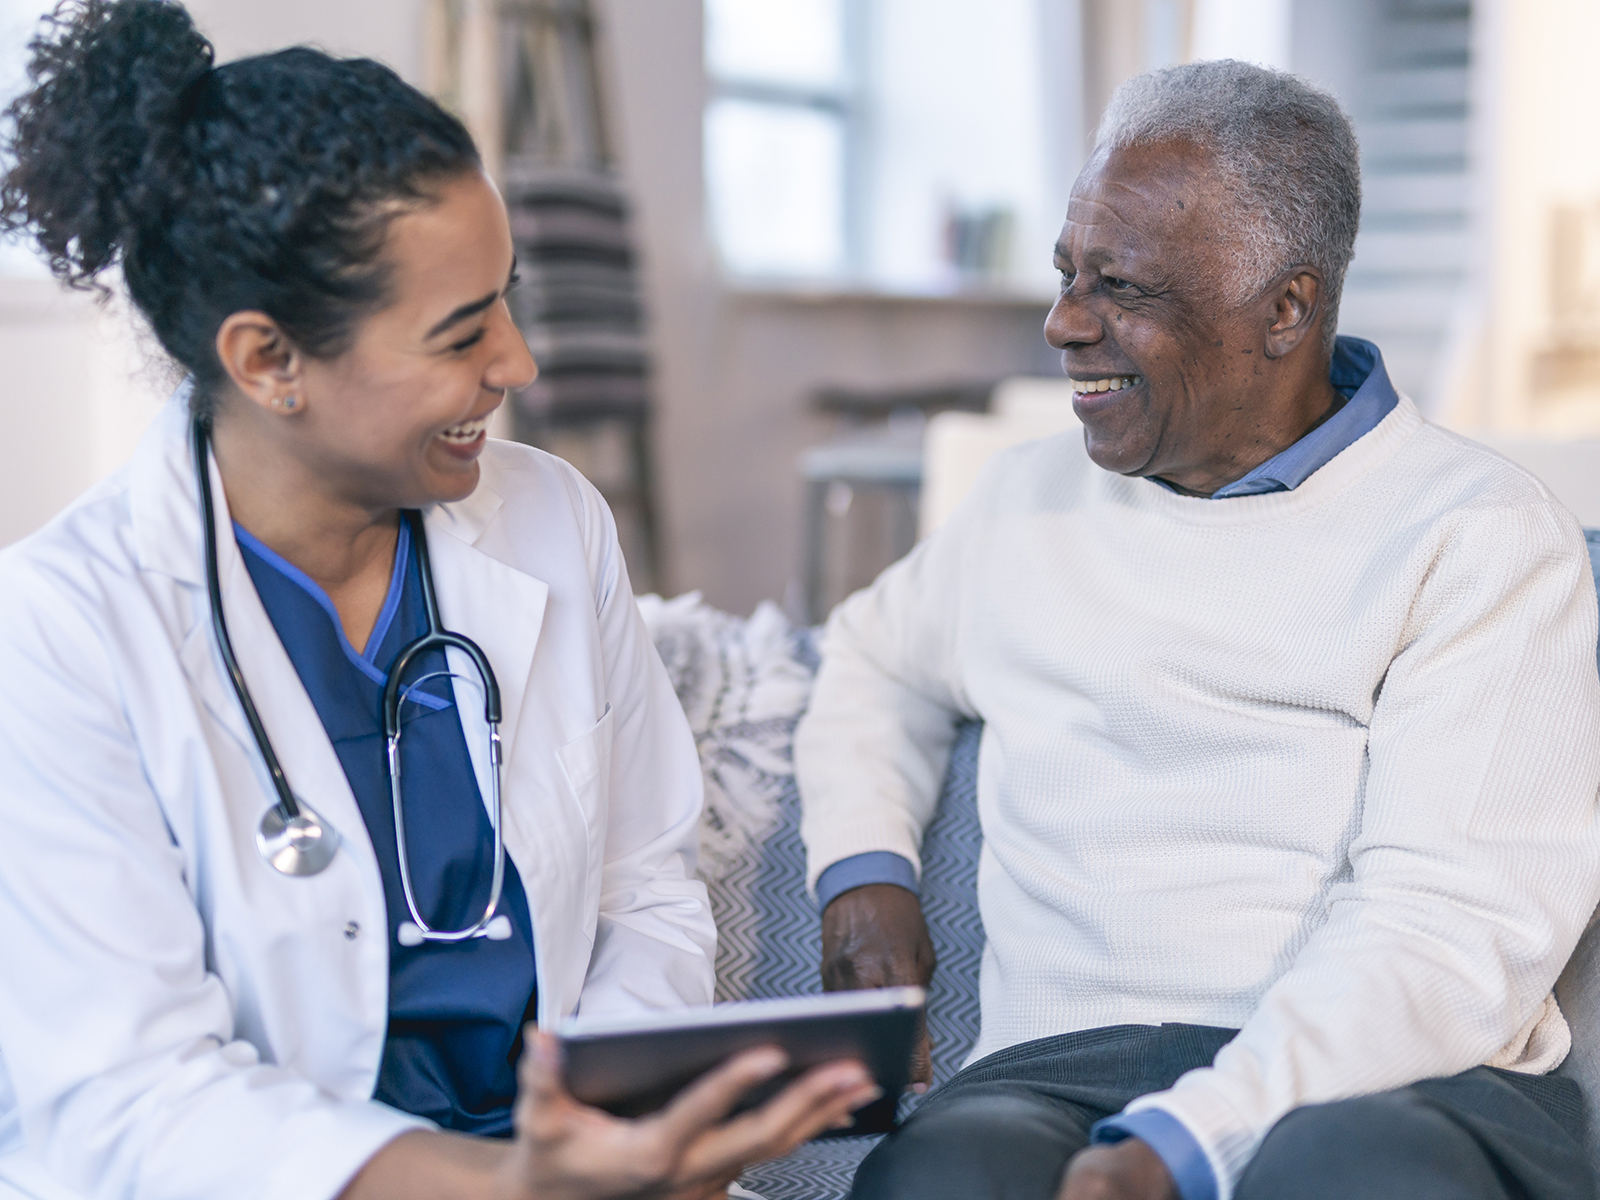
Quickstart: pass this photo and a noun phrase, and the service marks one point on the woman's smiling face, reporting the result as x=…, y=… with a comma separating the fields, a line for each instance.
x=399, y=418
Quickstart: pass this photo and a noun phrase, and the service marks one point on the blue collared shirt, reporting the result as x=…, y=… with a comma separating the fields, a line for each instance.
x=1358, y=374
x=456, y=1012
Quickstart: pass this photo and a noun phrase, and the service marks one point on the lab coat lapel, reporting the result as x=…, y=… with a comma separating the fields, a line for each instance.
x=166, y=508
x=496, y=605
x=502, y=609
x=165, y=505
x=315, y=774
x=162, y=497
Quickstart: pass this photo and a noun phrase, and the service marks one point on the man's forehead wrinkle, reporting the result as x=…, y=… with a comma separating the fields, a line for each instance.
x=1174, y=177
x=1152, y=199
x=1157, y=193
x=1103, y=231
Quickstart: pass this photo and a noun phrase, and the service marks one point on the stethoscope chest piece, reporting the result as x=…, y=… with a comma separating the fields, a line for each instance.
x=303, y=844
x=292, y=837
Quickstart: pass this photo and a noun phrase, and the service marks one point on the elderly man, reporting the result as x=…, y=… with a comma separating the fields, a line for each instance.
x=1288, y=777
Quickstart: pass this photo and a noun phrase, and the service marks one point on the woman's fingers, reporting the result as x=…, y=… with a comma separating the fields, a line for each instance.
x=713, y=1096
x=816, y=1101
x=541, y=1064
x=543, y=1101
x=807, y=1107
x=691, y=1143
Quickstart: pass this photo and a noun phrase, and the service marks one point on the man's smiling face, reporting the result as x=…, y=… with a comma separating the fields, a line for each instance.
x=1149, y=321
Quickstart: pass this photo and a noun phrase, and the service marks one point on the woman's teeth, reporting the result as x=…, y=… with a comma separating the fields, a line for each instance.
x=467, y=431
x=1115, y=384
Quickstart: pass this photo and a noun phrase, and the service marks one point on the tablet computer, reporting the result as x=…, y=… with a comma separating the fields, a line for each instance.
x=634, y=1064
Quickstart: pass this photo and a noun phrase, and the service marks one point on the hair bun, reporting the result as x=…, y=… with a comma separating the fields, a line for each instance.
x=97, y=140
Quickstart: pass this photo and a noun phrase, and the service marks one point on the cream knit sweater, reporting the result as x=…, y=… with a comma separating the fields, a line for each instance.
x=1321, y=764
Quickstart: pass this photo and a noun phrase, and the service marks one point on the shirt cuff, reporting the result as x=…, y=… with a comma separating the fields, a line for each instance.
x=1172, y=1142
x=875, y=866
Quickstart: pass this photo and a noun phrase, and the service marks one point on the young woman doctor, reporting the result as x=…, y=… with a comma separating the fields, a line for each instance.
x=260, y=937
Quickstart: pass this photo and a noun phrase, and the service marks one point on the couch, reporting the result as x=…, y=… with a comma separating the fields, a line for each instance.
x=744, y=685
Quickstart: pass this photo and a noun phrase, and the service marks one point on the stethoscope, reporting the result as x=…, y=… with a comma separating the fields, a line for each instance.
x=292, y=837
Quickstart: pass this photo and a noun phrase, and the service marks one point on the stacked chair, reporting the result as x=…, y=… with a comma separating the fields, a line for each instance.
x=525, y=76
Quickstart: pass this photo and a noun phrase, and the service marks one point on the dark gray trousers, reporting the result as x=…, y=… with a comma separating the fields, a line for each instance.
x=1004, y=1128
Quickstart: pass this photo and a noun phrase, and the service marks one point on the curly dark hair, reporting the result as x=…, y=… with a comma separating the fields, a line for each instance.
x=267, y=184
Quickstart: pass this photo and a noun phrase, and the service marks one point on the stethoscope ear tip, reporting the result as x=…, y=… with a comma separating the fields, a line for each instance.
x=411, y=934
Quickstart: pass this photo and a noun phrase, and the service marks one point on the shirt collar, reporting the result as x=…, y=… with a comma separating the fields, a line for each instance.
x=1358, y=373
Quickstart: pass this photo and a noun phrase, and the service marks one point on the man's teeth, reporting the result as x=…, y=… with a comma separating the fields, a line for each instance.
x=1115, y=384
x=467, y=431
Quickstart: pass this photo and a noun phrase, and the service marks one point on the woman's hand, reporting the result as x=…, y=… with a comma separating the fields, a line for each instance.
x=568, y=1151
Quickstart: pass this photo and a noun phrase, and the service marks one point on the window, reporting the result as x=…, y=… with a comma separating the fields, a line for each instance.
x=891, y=145
x=778, y=135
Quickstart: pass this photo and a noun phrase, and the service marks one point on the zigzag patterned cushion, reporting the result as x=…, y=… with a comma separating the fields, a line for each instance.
x=744, y=686
x=790, y=947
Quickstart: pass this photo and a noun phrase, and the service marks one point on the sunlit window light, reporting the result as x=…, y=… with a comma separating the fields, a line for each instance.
x=778, y=133
x=795, y=43
x=775, y=181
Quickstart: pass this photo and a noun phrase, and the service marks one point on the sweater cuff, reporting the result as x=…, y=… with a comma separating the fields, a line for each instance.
x=859, y=870
x=1173, y=1144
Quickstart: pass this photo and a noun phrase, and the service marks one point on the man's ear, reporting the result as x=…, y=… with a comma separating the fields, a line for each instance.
x=1296, y=309
x=261, y=361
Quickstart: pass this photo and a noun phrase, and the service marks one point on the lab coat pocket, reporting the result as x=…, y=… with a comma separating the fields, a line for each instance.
x=586, y=762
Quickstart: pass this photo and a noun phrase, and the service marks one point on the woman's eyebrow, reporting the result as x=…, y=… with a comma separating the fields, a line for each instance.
x=470, y=310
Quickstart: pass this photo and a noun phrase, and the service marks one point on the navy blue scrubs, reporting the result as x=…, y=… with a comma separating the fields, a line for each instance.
x=455, y=1011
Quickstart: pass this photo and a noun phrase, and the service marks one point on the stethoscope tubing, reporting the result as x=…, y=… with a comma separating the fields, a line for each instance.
x=440, y=638
x=421, y=930
x=287, y=808
x=287, y=805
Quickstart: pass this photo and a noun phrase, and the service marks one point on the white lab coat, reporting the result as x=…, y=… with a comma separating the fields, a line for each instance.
x=177, y=1019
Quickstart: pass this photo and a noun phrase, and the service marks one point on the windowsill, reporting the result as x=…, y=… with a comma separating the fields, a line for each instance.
x=757, y=291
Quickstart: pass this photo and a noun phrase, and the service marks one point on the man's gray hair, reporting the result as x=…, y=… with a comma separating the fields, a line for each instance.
x=1286, y=152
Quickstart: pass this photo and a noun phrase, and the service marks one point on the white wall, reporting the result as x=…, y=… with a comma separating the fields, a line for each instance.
x=388, y=30
x=76, y=399
x=1256, y=31
x=1537, y=148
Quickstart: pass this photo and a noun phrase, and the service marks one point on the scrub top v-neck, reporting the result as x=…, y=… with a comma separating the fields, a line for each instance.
x=456, y=1011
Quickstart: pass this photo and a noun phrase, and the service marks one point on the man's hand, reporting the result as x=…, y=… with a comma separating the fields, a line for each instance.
x=873, y=937
x=1129, y=1170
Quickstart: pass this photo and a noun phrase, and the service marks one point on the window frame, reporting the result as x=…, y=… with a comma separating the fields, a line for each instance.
x=847, y=102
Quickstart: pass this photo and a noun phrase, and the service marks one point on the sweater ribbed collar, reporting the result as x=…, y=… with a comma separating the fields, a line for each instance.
x=1360, y=458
